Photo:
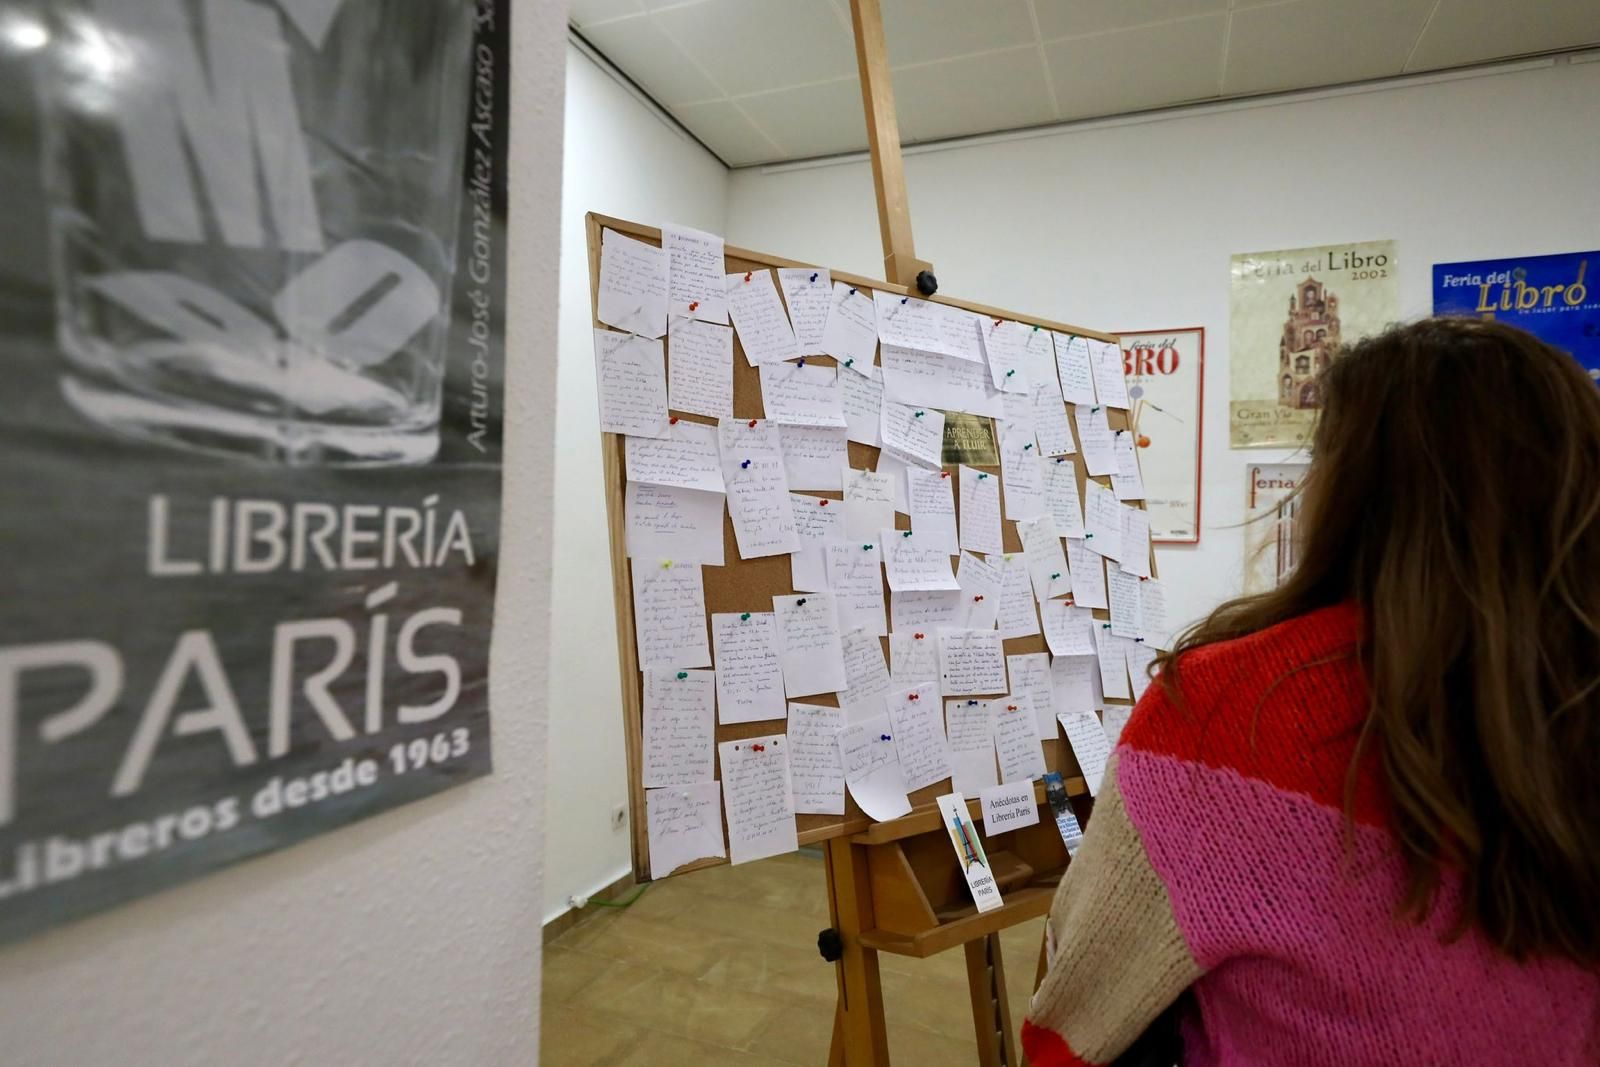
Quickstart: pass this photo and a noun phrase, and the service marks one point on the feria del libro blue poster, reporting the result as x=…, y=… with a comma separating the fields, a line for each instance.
x=251, y=339
x=1549, y=296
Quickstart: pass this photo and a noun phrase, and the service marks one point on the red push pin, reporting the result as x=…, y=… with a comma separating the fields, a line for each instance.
x=694, y=305
x=822, y=503
x=752, y=424
x=1011, y=707
x=919, y=637
x=913, y=696
x=758, y=748
x=997, y=322
x=978, y=599
x=747, y=274
x=673, y=421
x=944, y=474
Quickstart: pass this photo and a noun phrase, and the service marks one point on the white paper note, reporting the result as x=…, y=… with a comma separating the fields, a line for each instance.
x=925, y=610
x=1133, y=541
x=1094, y=434
x=914, y=657
x=1115, y=720
x=802, y=394
x=1072, y=369
x=1047, y=562
x=1009, y=807
x=1061, y=497
x=632, y=383
x=1088, y=575
x=914, y=565
x=910, y=322
x=971, y=662
x=1051, y=426
x=808, y=644
x=915, y=434
x=1023, y=477
x=1030, y=677
x=684, y=824
x=1125, y=613
x=758, y=797
x=868, y=504
x=872, y=768
x=700, y=368
x=1153, y=624
x=694, y=273
x=959, y=330
x=1105, y=360
x=927, y=379
x=969, y=724
x=866, y=676
x=1076, y=681
x=809, y=292
x=1140, y=657
x=814, y=457
x=933, y=508
x=1016, y=739
x=851, y=334
x=917, y=723
x=677, y=524
x=980, y=592
x=1003, y=342
x=679, y=727
x=687, y=457
x=862, y=396
x=758, y=489
x=1126, y=480
x=814, y=764
x=749, y=674
x=669, y=615
x=1102, y=521
x=897, y=469
x=817, y=520
x=1019, y=414
x=1019, y=616
x=759, y=317
x=633, y=285
x=1111, y=656
x=855, y=578
x=1067, y=630
x=1089, y=744
x=980, y=511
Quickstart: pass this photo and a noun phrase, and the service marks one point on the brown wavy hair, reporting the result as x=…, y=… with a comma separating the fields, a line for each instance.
x=1454, y=495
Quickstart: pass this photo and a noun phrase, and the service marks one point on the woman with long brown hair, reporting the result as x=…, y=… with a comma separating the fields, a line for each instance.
x=1358, y=817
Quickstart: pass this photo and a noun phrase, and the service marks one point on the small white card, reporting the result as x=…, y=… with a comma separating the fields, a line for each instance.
x=1009, y=807
x=918, y=727
x=872, y=768
x=749, y=672
x=868, y=504
x=814, y=764
x=700, y=368
x=1068, y=630
x=862, y=396
x=1072, y=368
x=927, y=610
x=758, y=798
x=851, y=334
x=1003, y=342
x=1047, y=561
x=669, y=615
x=687, y=457
x=1088, y=574
x=632, y=384
x=1112, y=658
x=916, y=434
x=914, y=565
x=817, y=520
x=1076, y=681
x=1126, y=481
x=866, y=676
x=1061, y=496
x=808, y=291
x=980, y=511
x=1105, y=360
x=814, y=457
x=694, y=273
x=980, y=592
x=684, y=824
x=933, y=508
x=855, y=578
x=1089, y=744
x=914, y=658
x=1030, y=677
x=677, y=524
x=802, y=394
x=679, y=727
x=1051, y=427
x=1094, y=434
x=633, y=286
x=1019, y=613
x=1016, y=739
x=809, y=648
x=758, y=316
x=758, y=489
x=971, y=662
x=969, y=724
x=1133, y=540
x=1102, y=521
x=1024, y=476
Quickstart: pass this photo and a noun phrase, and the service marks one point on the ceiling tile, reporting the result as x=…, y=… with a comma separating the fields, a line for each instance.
x=1470, y=31
x=974, y=94
x=812, y=120
x=1072, y=18
x=920, y=31
x=750, y=46
x=1176, y=62
x=638, y=48
x=587, y=12
x=727, y=132
x=1320, y=42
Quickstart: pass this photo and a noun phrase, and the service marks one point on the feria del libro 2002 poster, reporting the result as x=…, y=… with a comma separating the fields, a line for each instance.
x=1290, y=311
x=251, y=307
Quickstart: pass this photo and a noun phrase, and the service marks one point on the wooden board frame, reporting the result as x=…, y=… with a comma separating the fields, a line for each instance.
x=749, y=585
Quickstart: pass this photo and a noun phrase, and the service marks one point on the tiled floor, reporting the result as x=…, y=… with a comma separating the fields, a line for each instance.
x=721, y=967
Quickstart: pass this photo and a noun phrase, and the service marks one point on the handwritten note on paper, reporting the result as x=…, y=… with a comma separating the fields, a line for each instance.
x=814, y=457
x=1024, y=477
x=915, y=434
x=802, y=394
x=980, y=592
x=669, y=615
x=926, y=379
x=1089, y=744
x=758, y=797
x=872, y=768
x=855, y=578
x=918, y=724
x=633, y=285
x=1111, y=656
x=1125, y=596
x=1051, y=427
x=700, y=369
x=969, y=724
x=694, y=274
x=1073, y=370
x=758, y=489
x=1030, y=677
x=914, y=658
x=1076, y=680
x=1115, y=718
x=809, y=648
x=632, y=383
x=758, y=316
x=814, y=763
x=1067, y=630
x=926, y=610
x=971, y=662
x=817, y=520
x=933, y=508
x=1126, y=480
x=1016, y=739
x=893, y=466
x=863, y=406
x=684, y=824
x=868, y=504
x=980, y=511
x=1008, y=807
x=1153, y=624
x=1019, y=414
x=749, y=672
x=1003, y=342
x=910, y=322
x=1094, y=434
x=1047, y=563
x=1134, y=539
x=1105, y=361
x=1061, y=497
x=679, y=727
x=668, y=523
x=1102, y=521
x=1088, y=575
x=809, y=293
x=866, y=677
x=1019, y=617
x=913, y=565
x=1140, y=659
x=851, y=335
x=687, y=457
x=959, y=328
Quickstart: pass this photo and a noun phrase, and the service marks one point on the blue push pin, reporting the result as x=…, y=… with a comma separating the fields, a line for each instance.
x=745, y=465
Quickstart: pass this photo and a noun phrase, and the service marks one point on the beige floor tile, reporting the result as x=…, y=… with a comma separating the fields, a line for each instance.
x=917, y=1047
x=566, y=971
x=674, y=1003
x=796, y=1034
x=572, y=1037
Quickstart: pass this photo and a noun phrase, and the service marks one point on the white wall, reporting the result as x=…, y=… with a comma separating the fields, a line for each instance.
x=1130, y=225
x=621, y=160
x=411, y=937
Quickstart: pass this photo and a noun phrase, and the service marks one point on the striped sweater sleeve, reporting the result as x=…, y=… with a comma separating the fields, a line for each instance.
x=1119, y=958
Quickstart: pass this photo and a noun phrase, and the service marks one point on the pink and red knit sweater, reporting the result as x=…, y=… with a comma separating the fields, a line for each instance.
x=1217, y=859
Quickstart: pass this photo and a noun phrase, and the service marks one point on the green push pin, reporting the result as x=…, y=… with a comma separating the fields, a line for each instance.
x=682, y=675
x=745, y=617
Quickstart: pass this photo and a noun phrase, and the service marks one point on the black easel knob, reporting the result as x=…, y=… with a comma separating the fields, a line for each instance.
x=927, y=284
x=831, y=945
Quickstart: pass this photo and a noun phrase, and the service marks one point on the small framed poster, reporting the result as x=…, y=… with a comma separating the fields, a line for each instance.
x=1166, y=388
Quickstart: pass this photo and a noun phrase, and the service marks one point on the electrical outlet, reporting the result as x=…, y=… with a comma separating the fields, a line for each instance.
x=619, y=817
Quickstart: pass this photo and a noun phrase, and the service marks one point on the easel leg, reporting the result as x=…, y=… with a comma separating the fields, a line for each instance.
x=991, y=1013
x=858, y=1021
